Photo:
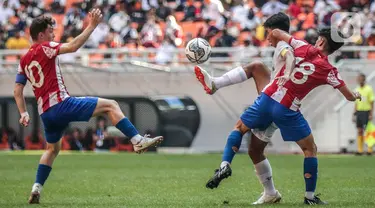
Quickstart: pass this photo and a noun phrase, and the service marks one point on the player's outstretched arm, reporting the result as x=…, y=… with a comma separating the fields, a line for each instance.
x=21, y=104
x=348, y=94
x=95, y=18
x=281, y=35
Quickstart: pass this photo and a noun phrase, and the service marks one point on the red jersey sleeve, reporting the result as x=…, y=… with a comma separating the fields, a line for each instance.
x=51, y=49
x=334, y=79
x=295, y=43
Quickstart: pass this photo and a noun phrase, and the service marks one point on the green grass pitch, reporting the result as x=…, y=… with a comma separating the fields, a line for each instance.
x=157, y=180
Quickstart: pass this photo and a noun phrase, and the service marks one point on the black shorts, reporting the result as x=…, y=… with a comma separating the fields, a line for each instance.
x=362, y=118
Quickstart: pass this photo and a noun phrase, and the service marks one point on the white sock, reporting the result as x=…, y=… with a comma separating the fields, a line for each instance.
x=37, y=187
x=136, y=139
x=234, y=76
x=309, y=195
x=264, y=173
x=224, y=163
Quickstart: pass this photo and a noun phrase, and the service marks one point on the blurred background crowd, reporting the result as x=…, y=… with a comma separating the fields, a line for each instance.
x=167, y=24
x=92, y=139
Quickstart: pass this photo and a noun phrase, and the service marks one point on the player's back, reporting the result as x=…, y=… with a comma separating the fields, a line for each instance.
x=41, y=67
x=312, y=69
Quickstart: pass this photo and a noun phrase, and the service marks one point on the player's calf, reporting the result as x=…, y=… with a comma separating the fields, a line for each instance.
x=117, y=117
x=310, y=168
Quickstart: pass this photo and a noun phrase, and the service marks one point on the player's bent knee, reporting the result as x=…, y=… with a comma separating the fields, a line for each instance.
x=240, y=126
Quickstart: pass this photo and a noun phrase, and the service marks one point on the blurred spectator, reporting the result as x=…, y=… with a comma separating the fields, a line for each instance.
x=294, y=9
x=99, y=35
x=73, y=20
x=6, y=12
x=251, y=21
x=226, y=40
x=17, y=42
x=15, y=143
x=166, y=52
x=273, y=7
x=190, y=11
x=75, y=138
x=324, y=10
x=101, y=139
x=173, y=31
x=151, y=33
x=129, y=34
x=207, y=31
x=240, y=12
x=149, y=4
x=163, y=11
x=120, y=19
x=87, y=140
x=137, y=14
x=212, y=10
x=58, y=6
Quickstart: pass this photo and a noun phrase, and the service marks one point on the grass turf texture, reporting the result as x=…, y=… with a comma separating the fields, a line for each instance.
x=151, y=180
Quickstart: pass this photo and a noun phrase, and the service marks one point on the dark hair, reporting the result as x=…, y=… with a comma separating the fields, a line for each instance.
x=331, y=44
x=362, y=75
x=40, y=24
x=278, y=21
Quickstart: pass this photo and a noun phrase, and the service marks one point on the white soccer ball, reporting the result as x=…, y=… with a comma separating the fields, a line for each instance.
x=198, y=50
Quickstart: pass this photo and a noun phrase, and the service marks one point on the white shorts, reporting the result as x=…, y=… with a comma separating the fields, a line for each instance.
x=267, y=134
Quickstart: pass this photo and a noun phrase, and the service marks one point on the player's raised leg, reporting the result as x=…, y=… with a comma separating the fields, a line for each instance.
x=263, y=170
x=118, y=119
x=256, y=70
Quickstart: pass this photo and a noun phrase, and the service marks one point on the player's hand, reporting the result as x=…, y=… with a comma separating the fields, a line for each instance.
x=282, y=80
x=370, y=117
x=95, y=16
x=25, y=119
x=357, y=96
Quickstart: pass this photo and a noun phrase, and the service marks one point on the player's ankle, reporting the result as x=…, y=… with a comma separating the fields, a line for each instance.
x=309, y=195
x=37, y=187
x=224, y=163
x=270, y=192
x=136, y=139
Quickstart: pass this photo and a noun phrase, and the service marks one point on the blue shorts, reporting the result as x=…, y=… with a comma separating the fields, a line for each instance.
x=293, y=126
x=57, y=118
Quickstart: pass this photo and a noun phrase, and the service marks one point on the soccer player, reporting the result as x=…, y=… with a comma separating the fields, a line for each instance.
x=261, y=74
x=293, y=126
x=363, y=111
x=280, y=103
x=57, y=109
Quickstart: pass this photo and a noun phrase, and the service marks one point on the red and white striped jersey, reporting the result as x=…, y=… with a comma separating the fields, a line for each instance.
x=312, y=69
x=41, y=67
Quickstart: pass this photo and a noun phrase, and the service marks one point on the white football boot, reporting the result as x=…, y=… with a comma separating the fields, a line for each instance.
x=268, y=199
x=35, y=193
x=205, y=79
x=147, y=142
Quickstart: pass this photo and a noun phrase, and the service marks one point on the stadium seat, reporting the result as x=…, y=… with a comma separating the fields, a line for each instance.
x=30, y=145
x=65, y=143
x=4, y=142
x=119, y=146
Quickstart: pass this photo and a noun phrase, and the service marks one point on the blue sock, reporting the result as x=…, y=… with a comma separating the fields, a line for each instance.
x=42, y=173
x=310, y=171
x=234, y=140
x=127, y=128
